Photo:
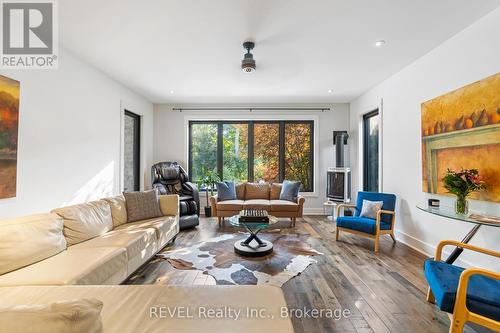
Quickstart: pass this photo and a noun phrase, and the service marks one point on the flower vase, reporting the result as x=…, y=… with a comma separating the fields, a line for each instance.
x=461, y=205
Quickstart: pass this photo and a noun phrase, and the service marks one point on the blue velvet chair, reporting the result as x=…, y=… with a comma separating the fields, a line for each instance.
x=367, y=227
x=471, y=295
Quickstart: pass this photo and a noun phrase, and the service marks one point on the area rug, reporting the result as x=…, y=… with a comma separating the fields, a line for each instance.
x=291, y=256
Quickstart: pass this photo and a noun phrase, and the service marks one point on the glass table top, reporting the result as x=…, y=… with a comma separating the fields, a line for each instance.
x=449, y=212
x=235, y=222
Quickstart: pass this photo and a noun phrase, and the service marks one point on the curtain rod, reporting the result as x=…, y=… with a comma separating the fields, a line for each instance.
x=250, y=109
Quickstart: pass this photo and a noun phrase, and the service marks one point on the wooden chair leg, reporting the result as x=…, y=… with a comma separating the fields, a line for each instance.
x=393, y=237
x=430, y=296
x=337, y=232
x=457, y=323
x=376, y=243
x=219, y=219
x=294, y=219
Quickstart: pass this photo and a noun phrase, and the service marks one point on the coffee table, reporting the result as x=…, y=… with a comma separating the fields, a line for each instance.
x=252, y=246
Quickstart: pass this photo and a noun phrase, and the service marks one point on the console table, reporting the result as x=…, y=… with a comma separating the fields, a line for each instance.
x=449, y=212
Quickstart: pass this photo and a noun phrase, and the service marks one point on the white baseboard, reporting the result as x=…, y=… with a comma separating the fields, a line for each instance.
x=313, y=211
x=426, y=248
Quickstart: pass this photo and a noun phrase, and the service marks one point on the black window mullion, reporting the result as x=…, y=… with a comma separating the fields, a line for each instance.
x=250, y=152
x=220, y=150
x=282, y=151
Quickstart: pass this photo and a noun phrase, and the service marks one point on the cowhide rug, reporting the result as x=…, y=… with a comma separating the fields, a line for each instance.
x=216, y=257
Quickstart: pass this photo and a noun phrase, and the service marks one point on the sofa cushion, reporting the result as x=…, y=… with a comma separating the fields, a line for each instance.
x=85, y=221
x=275, y=191
x=118, y=209
x=169, y=204
x=127, y=307
x=26, y=240
x=257, y=204
x=230, y=205
x=134, y=241
x=101, y=265
x=257, y=191
x=240, y=191
x=142, y=205
x=290, y=190
x=283, y=206
x=226, y=191
x=362, y=224
x=76, y=316
x=483, y=293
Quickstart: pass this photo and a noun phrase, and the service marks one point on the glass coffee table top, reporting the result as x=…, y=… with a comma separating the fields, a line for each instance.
x=235, y=222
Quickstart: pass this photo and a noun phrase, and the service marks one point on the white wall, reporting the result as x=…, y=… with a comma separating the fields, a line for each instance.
x=69, y=146
x=170, y=141
x=469, y=56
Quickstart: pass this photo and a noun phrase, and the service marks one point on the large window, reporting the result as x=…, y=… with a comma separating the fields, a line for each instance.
x=252, y=151
x=370, y=151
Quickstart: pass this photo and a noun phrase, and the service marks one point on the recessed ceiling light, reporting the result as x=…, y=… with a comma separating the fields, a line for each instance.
x=171, y=91
x=380, y=43
x=330, y=91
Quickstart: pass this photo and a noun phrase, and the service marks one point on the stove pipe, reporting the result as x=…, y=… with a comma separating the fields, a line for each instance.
x=339, y=140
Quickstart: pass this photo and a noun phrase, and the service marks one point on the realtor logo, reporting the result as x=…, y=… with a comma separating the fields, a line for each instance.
x=29, y=34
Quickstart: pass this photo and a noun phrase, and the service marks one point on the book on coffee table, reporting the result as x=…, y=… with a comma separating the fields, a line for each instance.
x=254, y=216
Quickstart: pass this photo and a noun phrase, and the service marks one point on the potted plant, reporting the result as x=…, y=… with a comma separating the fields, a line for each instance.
x=210, y=180
x=462, y=183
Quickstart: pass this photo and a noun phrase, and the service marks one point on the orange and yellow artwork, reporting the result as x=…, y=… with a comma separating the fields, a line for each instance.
x=9, y=118
x=461, y=129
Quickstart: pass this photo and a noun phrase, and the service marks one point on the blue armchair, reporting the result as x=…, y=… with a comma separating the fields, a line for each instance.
x=367, y=227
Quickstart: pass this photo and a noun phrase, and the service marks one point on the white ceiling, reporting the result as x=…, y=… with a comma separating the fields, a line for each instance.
x=303, y=47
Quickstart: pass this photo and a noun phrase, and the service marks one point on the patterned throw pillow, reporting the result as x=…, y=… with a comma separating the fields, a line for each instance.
x=226, y=191
x=371, y=208
x=142, y=205
x=290, y=190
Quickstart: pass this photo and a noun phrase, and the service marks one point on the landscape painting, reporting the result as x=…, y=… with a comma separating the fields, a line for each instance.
x=461, y=129
x=9, y=119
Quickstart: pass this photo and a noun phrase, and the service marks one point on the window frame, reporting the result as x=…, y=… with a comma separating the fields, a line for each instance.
x=251, y=145
x=366, y=118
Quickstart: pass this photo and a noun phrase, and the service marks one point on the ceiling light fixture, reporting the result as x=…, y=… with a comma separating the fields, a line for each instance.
x=248, y=63
x=330, y=91
x=171, y=92
x=380, y=43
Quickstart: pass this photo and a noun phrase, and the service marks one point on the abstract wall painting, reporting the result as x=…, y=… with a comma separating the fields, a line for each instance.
x=9, y=121
x=461, y=129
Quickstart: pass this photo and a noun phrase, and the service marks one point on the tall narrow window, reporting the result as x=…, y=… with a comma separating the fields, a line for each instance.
x=370, y=151
x=235, y=152
x=298, y=153
x=266, y=163
x=132, y=152
x=203, y=148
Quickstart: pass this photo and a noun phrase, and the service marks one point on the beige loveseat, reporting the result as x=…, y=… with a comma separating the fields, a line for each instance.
x=85, y=244
x=258, y=196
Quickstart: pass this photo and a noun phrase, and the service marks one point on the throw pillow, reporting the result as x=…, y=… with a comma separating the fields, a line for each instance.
x=370, y=208
x=78, y=316
x=226, y=191
x=275, y=191
x=290, y=190
x=142, y=205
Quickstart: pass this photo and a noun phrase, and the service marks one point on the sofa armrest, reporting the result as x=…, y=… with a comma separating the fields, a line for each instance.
x=213, y=204
x=301, y=200
x=169, y=204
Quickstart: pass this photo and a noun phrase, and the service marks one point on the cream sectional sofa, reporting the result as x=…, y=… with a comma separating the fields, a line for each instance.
x=86, y=244
x=83, y=251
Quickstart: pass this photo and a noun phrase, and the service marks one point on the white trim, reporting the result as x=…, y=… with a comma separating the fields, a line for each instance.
x=121, y=158
x=246, y=117
x=427, y=249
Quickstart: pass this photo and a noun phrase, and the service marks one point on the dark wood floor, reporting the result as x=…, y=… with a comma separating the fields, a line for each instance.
x=384, y=292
